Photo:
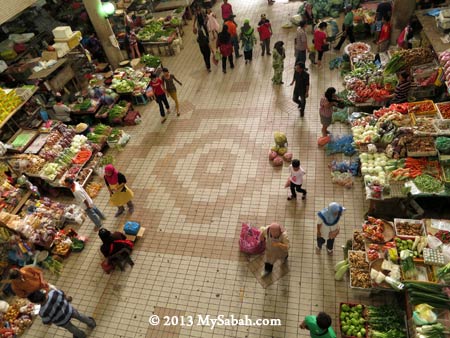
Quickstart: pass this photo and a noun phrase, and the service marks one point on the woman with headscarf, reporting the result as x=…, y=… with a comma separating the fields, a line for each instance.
x=327, y=226
x=113, y=242
x=119, y=192
x=248, y=39
x=278, y=56
x=277, y=245
x=225, y=47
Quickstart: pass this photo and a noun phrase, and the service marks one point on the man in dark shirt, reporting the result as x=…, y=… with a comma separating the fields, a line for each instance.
x=55, y=309
x=301, y=88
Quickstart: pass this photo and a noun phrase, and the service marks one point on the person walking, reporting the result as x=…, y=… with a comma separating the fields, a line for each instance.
x=295, y=180
x=385, y=36
x=169, y=85
x=265, y=32
x=131, y=37
x=278, y=57
x=199, y=21
x=160, y=95
x=232, y=30
x=327, y=226
x=320, y=41
x=347, y=28
x=301, y=43
x=277, y=246
x=82, y=197
x=318, y=326
x=327, y=102
x=55, y=309
x=225, y=48
x=384, y=9
x=227, y=10
x=301, y=88
x=205, y=49
x=212, y=24
x=119, y=193
x=248, y=40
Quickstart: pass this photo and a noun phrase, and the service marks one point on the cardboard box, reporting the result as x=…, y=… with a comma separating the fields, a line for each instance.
x=62, y=32
x=49, y=55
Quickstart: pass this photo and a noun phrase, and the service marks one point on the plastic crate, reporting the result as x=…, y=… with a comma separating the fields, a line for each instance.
x=442, y=127
x=363, y=316
x=439, y=107
x=412, y=107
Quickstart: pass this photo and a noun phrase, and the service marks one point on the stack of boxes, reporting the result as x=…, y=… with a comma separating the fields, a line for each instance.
x=65, y=40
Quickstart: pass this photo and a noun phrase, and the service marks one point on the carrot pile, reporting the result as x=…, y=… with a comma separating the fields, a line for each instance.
x=82, y=157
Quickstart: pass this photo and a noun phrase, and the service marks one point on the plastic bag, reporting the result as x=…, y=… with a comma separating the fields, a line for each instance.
x=340, y=116
x=249, y=240
x=323, y=140
x=343, y=179
x=433, y=242
x=280, y=138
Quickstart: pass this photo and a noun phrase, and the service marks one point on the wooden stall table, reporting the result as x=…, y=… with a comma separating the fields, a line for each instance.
x=174, y=4
x=86, y=115
x=432, y=33
x=165, y=45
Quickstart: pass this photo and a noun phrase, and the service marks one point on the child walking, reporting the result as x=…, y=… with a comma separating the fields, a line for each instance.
x=295, y=180
x=169, y=84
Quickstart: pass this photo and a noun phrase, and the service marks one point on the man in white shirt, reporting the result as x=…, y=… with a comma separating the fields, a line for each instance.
x=85, y=201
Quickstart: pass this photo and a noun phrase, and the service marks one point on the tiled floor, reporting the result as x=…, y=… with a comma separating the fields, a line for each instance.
x=196, y=178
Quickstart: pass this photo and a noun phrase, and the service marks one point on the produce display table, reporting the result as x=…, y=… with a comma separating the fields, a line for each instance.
x=165, y=46
x=12, y=113
x=92, y=110
x=431, y=31
x=44, y=73
x=173, y=4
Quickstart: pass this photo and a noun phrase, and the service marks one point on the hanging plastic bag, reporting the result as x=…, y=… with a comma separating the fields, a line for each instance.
x=249, y=240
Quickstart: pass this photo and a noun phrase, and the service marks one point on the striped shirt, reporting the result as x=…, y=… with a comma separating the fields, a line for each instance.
x=56, y=309
x=301, y=41
x=401, y=92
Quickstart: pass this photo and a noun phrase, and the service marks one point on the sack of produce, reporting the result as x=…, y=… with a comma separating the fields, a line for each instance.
x=280, y=138
x=287, y=157
x=272, y=154
x=443, y=144
x=277, y=161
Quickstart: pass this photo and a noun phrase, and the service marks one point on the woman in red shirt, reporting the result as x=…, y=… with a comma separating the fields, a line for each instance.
x=385, y=35
x=320, y=40
x=160, y=95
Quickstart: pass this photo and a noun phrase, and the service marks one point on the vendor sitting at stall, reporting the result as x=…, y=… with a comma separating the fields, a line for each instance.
x=113, y=242
x=62, y=112
x=401, y=90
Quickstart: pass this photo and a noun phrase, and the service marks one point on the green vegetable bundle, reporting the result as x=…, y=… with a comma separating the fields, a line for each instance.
x=386, y=319
x=443, y=144
x=428, y=183
x=443, y=273
x=395, y=64
x=149, y=30
x=150, y=60
x=428, y=293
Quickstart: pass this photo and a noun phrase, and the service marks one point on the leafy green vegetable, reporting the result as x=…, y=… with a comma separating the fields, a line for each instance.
x=150, y=60
x=428, y=183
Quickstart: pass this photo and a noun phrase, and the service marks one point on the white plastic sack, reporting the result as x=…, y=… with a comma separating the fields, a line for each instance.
x=434, y=242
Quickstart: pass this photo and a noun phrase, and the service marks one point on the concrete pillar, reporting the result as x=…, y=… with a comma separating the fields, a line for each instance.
x=104, y=31
x=402, y=12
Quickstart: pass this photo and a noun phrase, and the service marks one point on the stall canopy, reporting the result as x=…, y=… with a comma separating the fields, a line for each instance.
x=10, y=8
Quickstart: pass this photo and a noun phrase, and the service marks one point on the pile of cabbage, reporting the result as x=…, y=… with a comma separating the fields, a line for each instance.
x=324, y=8
x=373, y=167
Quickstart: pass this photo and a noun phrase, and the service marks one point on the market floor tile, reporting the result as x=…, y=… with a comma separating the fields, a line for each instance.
x=196, y=178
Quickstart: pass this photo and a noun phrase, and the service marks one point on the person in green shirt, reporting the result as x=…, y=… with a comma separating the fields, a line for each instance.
x=319, y=326
x=347, y=28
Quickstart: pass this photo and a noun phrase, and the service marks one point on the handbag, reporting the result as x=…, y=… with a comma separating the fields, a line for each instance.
x=325, y=47
x=131, y=228
x=249, y=240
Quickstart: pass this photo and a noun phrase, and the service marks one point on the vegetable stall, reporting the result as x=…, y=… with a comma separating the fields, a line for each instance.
x=408, y=257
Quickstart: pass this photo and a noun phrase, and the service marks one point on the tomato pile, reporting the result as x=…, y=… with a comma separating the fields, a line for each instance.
x=444, y=108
